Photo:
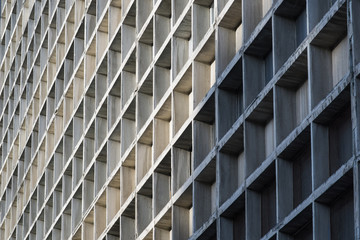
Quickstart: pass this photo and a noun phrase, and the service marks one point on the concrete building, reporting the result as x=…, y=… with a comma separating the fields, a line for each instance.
x=177, y=119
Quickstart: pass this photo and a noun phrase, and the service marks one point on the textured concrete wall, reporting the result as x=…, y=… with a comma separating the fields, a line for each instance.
x=178, y=119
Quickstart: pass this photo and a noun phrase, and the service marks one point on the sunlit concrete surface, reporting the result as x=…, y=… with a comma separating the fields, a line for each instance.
x=178, y=119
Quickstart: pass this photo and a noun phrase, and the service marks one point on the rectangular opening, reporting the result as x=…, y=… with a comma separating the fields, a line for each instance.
x=178, y=8
x=340, y=131
x=69, y=28
x=231, y=165
x=258, y=64
x=160, y=233
x=332, y=138
x=259, y=134
x=162, y=130
x=68, y=143
x=77, y=167
x=203, y=13
x=78, y=45
x=144, y=150
x=128, y=85
x=100, y=170
x=90, y=62
x=232, y=221
x=128, y=30
x=181, y=47
x=57, y=201
x=88, y=226
x=88, y=190
x=182, y=101
x=162, y=185
x=182, y=216
x=334, y=210
x=114, y=63
x=254, y=11
x=290, y=17
x=114, y=149
x=66, y=222
x=356, y=35
x=162, y=27
x=181, y=170
x=127, y=182
x=78, y=128
x=66, y=182
x=317, y=10
x=90, y=22
x=100, y=7
x=76, y=209
x=145, y=102
x=128, y=128
x=292, y=98
x=204, y=188
x=300, y=227
x=79, y=11
x=100, y=215
x=114, y=232
x=231, y=99
x=115, y=16
x=145, y=51
x=101, y=83
x=89, y=146
x=114, y=104
x=89, y=101
x=203, y=70
x=331, y=47
x=162, y=77
x=48, y=217
x=294, y=169
x=204, y=131
x=230, y=34
x=144, y=205
x=113, y=198
x=100, y=127
x=127, y=222
x=261, y=207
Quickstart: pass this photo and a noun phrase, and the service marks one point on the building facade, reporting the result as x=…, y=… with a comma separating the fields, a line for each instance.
x=180, y=119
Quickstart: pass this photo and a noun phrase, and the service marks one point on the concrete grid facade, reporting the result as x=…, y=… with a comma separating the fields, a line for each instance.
x=177, y=119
